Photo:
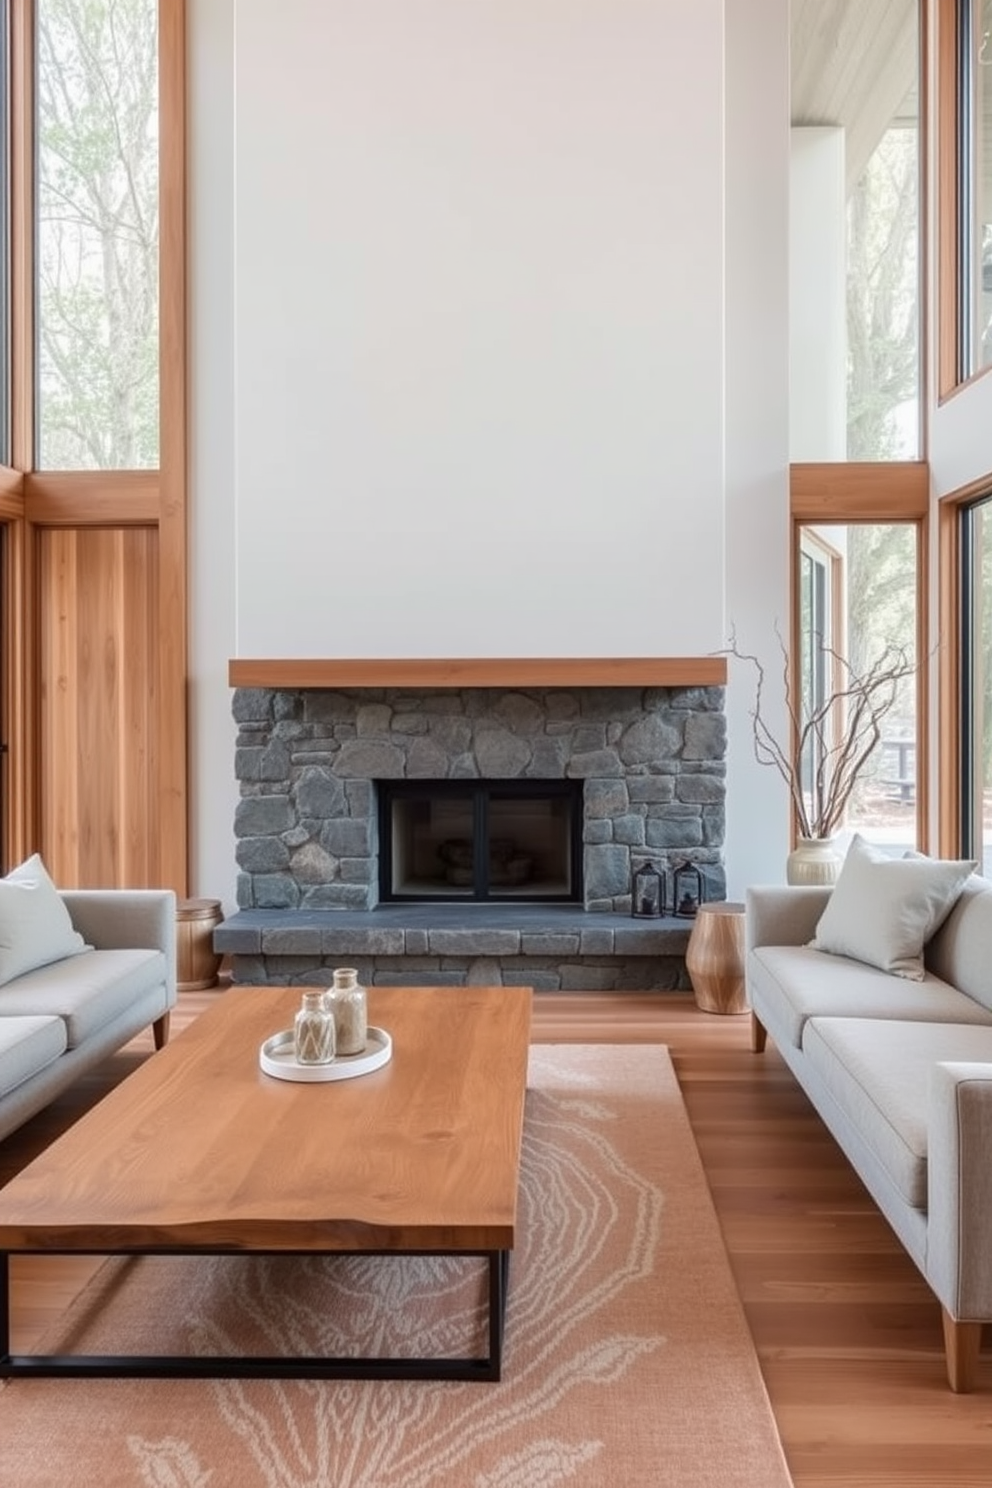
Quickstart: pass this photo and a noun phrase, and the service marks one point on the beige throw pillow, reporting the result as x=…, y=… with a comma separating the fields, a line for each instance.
x=883, y=910
x=35, y=926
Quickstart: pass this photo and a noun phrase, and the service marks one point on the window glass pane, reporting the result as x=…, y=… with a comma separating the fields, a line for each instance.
x=981, y=226
x=855, y=232
x=816, y=629
x=977, y=734
x=865, y=626
x=97, y=253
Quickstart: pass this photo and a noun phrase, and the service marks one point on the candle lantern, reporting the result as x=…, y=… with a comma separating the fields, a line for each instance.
x=647, y=898
x=687, y=890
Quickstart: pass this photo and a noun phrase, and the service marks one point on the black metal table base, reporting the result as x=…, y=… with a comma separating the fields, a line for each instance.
x=486, y=1368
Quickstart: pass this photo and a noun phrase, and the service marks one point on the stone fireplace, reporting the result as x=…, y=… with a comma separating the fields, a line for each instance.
x=649, y=766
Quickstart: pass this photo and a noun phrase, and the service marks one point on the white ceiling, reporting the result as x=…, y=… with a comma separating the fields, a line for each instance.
x=854, y=63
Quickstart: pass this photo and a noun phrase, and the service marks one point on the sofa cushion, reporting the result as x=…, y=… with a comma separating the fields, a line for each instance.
x=878, y=1072
x=961, y=950
x=788, y=984
x=88, y=990
x=27, y=1045
x=35, y=927
x=883, y=910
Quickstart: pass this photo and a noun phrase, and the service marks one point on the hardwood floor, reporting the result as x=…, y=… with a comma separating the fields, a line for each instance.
x=848, y=1335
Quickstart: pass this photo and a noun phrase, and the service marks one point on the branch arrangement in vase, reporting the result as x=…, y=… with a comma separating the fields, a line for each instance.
x=838, y=737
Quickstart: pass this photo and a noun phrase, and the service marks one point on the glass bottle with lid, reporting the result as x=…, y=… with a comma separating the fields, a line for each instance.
x=313, y=1031
x=349, y=1005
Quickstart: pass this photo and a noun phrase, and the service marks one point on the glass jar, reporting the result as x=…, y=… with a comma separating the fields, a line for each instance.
x=348, y=1002
x=313, y=1031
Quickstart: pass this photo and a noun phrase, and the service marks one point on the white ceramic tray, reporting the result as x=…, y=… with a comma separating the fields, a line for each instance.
x=277, y=1057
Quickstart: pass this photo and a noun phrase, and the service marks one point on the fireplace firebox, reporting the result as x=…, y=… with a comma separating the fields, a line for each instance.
x=480, y=840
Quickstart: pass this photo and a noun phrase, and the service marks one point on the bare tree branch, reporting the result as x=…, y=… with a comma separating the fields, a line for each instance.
x=837, y=755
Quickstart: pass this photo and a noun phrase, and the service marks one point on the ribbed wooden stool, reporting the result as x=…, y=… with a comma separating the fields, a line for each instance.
x=714, y=958
x=197, y=963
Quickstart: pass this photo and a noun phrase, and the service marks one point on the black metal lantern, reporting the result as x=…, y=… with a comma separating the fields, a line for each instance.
x=647, y=896
x=687, y=890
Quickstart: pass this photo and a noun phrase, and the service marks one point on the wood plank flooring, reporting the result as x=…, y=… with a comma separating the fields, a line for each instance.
x=848, y=1335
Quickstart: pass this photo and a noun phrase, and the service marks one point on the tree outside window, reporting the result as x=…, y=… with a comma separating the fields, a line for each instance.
x=98, y=227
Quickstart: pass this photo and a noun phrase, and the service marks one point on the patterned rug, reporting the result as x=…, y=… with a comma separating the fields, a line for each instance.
x=627, y=1358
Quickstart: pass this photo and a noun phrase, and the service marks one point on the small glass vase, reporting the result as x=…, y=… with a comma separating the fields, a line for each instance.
x=313, y=1031
x=348, y=1005
x=813, y=860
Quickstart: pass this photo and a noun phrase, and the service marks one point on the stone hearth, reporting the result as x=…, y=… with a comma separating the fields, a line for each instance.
x=652, y=760
x=550, y=948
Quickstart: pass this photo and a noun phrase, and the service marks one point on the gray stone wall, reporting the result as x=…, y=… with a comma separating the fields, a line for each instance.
x=653, y=761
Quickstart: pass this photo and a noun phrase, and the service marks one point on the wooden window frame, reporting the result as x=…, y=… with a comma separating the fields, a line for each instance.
x=31, y=500
x=949, y=741
x=859, y=492
x=951, y=373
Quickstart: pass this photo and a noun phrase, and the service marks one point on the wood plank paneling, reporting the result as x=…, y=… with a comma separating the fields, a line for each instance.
x=99, y=705
x=485, y=671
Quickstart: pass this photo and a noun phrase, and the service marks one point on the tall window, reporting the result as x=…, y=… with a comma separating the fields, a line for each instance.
x=855, y=232
x=976, y=690
x=858, y=610
x=93, y=347
x=97, y=235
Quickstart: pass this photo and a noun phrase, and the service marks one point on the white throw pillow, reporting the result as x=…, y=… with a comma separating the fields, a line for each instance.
x=35, y=926
x=884, y=910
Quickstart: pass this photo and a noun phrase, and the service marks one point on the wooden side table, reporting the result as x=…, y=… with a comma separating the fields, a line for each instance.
x=197, y=963
x=714, y=958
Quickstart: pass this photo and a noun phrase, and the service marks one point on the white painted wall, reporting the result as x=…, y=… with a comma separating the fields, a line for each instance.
x=817, y=295
x=961, y=438
x=213, y=477
x=479, y=321
x=483, y=278
x=757, y=421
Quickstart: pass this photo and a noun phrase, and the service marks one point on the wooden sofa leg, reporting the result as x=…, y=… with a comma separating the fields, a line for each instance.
x=160, y=1031
x=962, y=1345
x=759, y=1034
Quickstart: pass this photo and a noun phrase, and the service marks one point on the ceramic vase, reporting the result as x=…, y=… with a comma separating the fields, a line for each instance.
x=347, y=1003
x=813, y=860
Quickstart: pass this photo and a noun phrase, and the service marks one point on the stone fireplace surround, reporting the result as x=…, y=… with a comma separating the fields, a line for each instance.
x=651, y=755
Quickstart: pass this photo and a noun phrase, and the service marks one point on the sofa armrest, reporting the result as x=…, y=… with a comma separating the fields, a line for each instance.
x=115, y=919
x=959, y=1178
x=779, y=915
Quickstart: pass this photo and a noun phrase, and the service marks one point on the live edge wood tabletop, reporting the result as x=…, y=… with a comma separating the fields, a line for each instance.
x=199, y=1149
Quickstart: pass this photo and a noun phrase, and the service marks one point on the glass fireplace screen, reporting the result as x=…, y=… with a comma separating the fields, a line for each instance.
x=482, y=840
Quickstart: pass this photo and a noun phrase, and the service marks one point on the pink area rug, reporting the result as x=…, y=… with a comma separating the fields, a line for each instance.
x=628, y=1360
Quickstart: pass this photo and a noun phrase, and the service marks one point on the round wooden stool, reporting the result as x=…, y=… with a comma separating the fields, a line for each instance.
x=197, y=963
x=714, y=958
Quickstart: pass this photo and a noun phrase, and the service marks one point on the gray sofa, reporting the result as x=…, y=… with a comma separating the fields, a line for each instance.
x=60, y=1019
x=901, y=1073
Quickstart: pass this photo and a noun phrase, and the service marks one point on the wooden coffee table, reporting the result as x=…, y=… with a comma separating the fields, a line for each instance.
x=200, y=1152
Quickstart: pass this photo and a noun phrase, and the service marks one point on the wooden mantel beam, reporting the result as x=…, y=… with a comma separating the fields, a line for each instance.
x=484, y=671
